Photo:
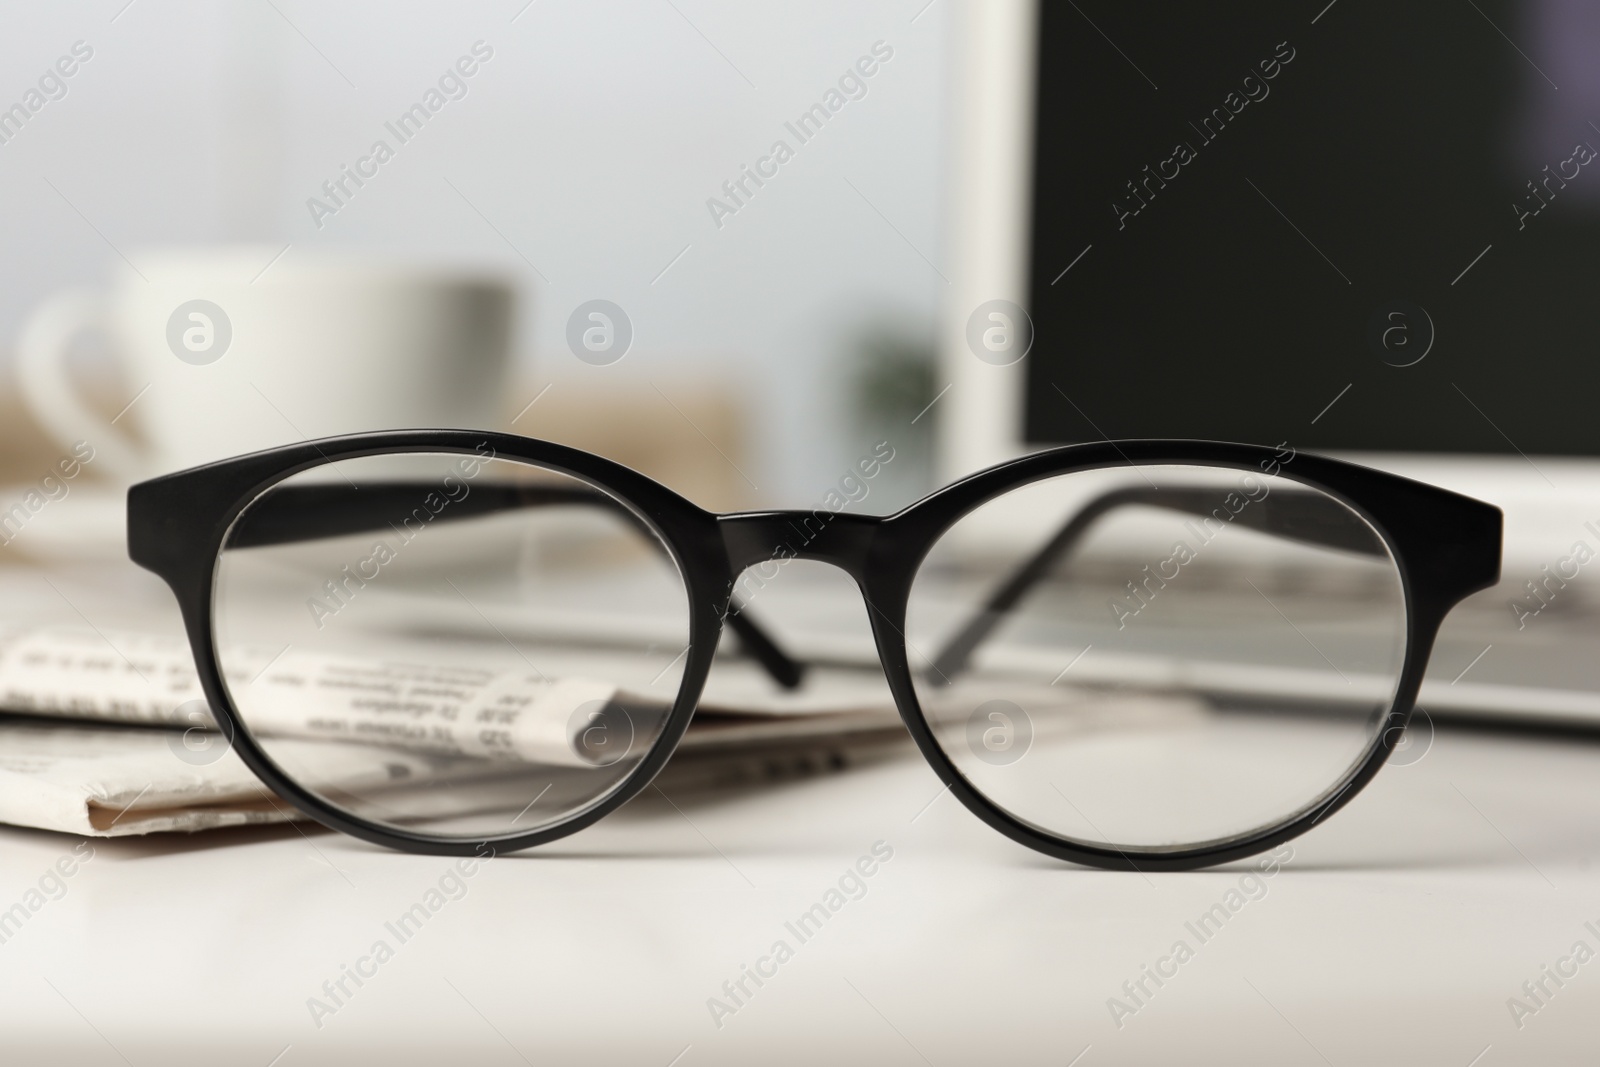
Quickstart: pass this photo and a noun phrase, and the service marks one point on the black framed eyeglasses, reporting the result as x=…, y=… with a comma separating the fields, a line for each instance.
x=1142, y=654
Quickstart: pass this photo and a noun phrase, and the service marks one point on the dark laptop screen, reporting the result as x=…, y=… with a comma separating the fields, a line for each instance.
x=1354, y=225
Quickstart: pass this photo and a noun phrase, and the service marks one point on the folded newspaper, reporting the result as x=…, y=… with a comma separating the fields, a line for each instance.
x=106, y=733
x=103, y=729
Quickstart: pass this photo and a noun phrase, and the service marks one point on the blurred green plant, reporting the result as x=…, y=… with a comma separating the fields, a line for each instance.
x=893, y=379
x=892, y=382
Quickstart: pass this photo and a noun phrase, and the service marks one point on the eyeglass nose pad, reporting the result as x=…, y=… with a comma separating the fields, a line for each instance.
x=762, y=538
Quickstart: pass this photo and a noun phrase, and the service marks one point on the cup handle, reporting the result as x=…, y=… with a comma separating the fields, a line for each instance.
x=49, y=392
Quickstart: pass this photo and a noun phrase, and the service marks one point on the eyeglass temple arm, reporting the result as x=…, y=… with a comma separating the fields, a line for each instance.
x=288, y=514
x=1296, y=514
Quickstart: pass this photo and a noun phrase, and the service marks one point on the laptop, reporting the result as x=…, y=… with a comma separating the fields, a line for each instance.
x=1364, y=231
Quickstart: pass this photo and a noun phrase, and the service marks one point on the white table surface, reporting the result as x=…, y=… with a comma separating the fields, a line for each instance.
x=1395, y=935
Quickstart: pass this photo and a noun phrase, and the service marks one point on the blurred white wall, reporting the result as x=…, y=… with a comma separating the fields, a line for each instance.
x=581, y=158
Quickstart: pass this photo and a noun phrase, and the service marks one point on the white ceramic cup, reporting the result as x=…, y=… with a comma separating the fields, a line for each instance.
x=222, y=353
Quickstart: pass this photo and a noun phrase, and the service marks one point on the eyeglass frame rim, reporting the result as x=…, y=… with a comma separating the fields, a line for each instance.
x=1444, y=545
